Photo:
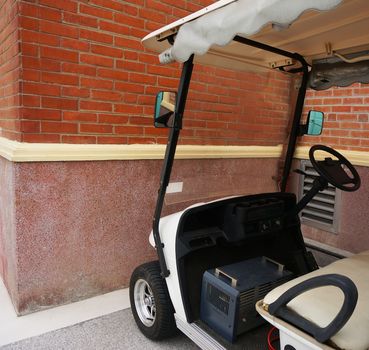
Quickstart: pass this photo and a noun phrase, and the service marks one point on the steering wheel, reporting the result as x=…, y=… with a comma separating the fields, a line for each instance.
x=333, y=170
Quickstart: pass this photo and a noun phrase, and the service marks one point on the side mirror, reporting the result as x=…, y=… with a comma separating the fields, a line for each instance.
x=164, y=109
x=314, y=124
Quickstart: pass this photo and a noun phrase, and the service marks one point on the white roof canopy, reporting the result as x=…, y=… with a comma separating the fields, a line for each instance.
x=314, y=29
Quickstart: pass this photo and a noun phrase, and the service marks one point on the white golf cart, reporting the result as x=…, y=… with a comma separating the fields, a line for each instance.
x=216, y=260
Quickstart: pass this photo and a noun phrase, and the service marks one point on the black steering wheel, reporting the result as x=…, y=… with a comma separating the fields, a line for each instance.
x=333, y=170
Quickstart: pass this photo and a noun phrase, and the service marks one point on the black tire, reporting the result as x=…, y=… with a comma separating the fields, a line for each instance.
x=162, y=325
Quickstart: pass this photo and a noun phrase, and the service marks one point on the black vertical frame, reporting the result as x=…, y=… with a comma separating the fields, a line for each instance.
x=295, y=128
x=170, y=151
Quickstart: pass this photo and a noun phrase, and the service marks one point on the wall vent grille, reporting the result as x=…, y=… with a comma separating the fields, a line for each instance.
x=322, y=211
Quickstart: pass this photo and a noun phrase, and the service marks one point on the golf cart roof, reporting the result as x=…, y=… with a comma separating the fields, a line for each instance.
x=316, y=29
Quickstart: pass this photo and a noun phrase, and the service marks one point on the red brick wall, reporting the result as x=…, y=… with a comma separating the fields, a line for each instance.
x=346, y=111
x=87, y=79
x=9, y=69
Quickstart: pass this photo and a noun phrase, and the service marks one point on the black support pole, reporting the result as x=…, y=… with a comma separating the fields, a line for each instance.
x=295, y=128
x=184, y=84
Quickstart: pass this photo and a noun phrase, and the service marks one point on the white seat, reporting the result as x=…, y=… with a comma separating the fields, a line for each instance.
x=321, y=305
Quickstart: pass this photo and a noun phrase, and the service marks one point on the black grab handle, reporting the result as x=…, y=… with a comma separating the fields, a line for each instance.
x=279, y=308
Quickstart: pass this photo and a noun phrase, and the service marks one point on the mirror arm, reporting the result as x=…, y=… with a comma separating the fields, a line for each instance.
x=303, y=130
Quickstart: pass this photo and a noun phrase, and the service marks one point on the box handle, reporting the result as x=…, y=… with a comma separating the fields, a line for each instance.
x=225, y=275
x=280, y=266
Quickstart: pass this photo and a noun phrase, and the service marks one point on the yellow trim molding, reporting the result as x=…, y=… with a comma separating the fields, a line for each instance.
x=355, y=157
x=54, y=152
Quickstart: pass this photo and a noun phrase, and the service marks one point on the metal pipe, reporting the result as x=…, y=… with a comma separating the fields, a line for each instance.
x=295, y=129
x=169, y=158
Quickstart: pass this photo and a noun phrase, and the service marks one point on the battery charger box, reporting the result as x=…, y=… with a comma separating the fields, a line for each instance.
x=229, y=294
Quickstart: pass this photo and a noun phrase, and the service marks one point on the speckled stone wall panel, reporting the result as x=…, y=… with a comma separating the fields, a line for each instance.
x=82, y=227
x=8, y=253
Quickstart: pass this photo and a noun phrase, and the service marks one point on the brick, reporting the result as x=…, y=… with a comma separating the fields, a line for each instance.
x=78, y=69
x=29, y=49
x=130, y=55
x=128, y=87
x=143, y=78
x=75, y=44
x=58, y=29
x=130, y=10
x=59, y=78
x=59, y=54
x=106, y=95
x=96, y=36
x=27, y=9
x=130, y=66
x=112, y=74
x=128, y=130
x=40, y=114
x=360, y=109
x=96, y=60
x=79, y=116
x=50, y=14
x=41, y=138
x=153, y=16
x=59, y=103
x=349, y=125
x=360, y=134
x=41, y=38
x=107, y=51
x=31, y=101
x=59, y=127
x=28, y=126
x=129, y=109
x=97, y=83
x=66, y=5
x=113, y=119
x=30, y=74
x=145, y=140
x=113, y=5
x=127, y=43
x=41, y=89
x=80, y=20
x=95, y=11
x=96, y=128
x=96, y=106
x=71, y=91
x=111, y=140
x=78, y=139
x=159, y=6
x=29, y=23
x=144, y=121
x=43, y=63
x=114, y=28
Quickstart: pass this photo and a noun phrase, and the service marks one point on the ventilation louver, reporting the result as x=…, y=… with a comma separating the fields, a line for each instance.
x=321, y=211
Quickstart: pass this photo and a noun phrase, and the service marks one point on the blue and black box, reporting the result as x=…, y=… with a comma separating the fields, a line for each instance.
x=229, y=294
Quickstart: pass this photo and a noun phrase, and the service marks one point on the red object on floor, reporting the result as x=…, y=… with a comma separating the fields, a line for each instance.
x=273, y=336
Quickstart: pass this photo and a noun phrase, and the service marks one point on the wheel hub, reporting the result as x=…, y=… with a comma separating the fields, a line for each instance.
x=145, y=303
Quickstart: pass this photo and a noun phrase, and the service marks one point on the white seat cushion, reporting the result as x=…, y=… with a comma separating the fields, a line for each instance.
x=322, y=304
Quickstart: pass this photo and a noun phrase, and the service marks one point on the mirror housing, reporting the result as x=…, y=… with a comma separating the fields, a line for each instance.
x=165, y=104
x=314, y=124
